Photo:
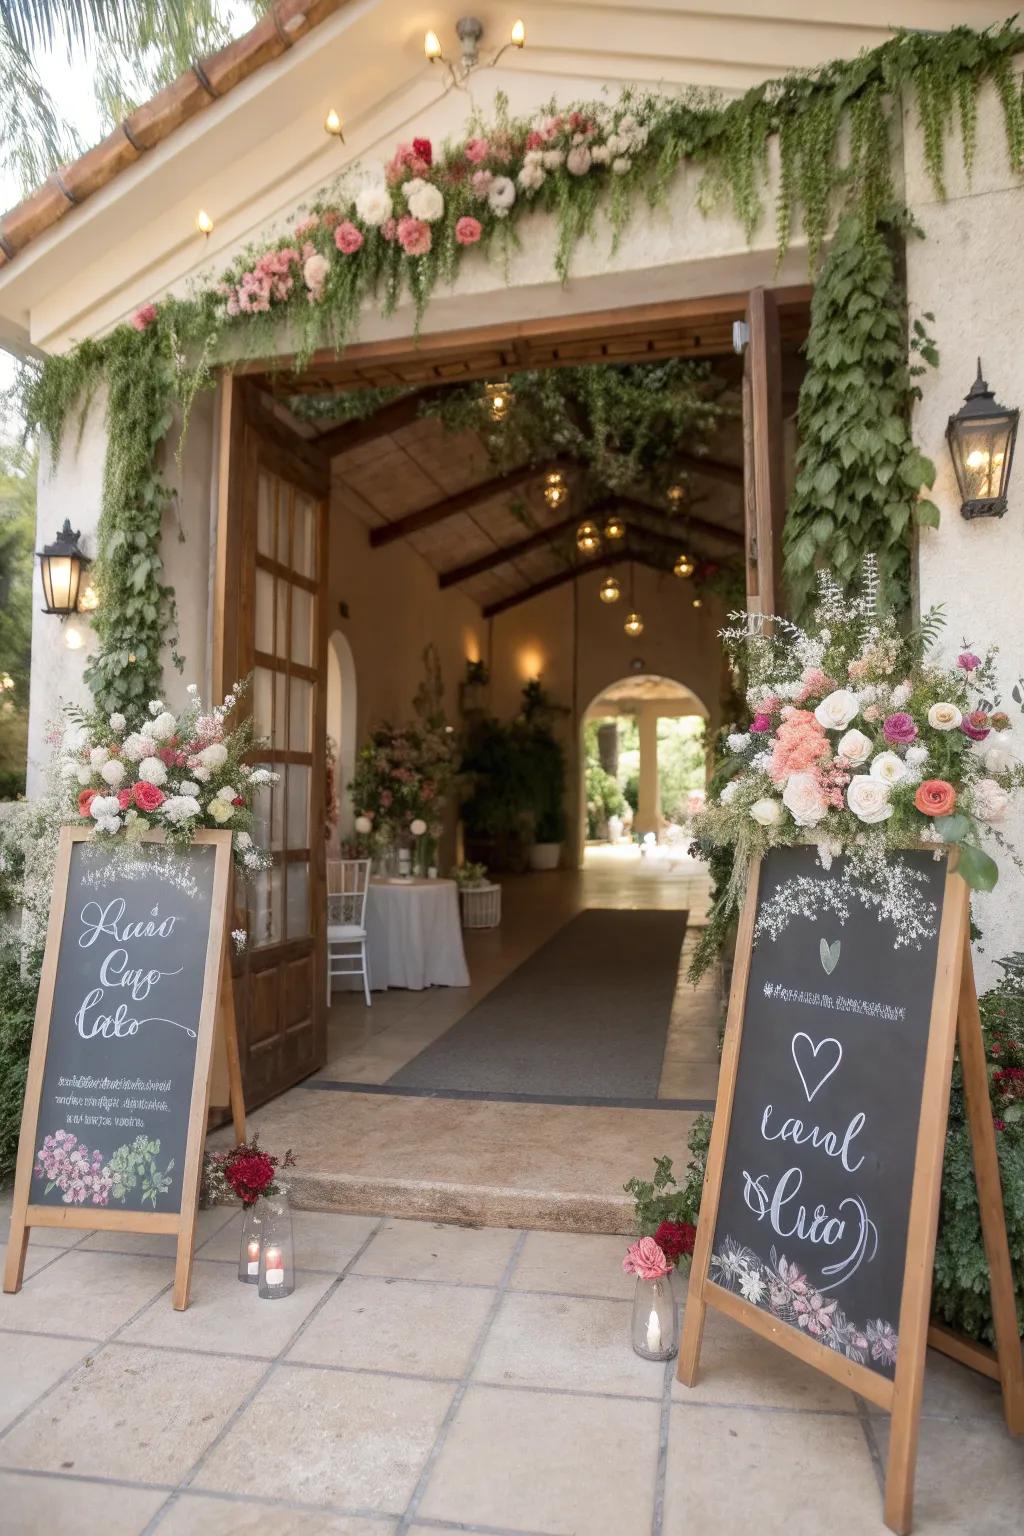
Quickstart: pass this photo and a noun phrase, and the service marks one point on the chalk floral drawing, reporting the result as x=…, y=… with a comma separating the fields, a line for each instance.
x=781, y=1288
x=83, y=1178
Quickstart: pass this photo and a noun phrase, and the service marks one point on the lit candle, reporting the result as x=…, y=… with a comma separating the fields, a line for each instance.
x=253, y=1256
x=653, y=1332
x=275, y=1267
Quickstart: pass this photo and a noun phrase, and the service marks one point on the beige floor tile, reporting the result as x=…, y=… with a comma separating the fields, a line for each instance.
x=161, y=1245
x=561, y=1342
x=139, y=1414
x=31, y=1365
x=427, y=1250
x=327, y=1437
x=951, y=1391
x=226, y=1316
x=577, y=1264
x=739, y=1469
x=324, y=1240
x=737, y=1367
x=33, y=1505
x=572, y=1466
x=201, y=1515
x=89, y=1294
x=970, y=1478
x=396, y=1325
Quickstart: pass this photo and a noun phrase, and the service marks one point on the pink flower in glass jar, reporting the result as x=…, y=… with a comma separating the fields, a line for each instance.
x=646, y=1260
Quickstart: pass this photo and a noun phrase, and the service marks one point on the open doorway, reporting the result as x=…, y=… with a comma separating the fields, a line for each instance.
x=341, y=740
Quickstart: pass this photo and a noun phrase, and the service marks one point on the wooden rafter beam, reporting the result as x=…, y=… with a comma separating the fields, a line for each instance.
x=678, y=527
x=560, y=578
x=462, y=501
x=505, y=552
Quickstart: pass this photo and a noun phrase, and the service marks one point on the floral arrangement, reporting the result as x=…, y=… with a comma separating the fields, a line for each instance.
x=176, y=773
x=469, y=877
x=646, y=1260
x=665, y=1211
x=245, y=1172
x=400, y=782
x=859, y=742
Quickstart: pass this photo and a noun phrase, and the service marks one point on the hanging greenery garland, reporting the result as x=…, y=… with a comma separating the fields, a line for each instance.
x=411, y=232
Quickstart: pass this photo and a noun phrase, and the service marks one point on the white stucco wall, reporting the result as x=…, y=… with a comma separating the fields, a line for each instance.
x=969, y=271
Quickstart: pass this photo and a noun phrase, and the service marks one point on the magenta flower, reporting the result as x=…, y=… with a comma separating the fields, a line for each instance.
x=968, y=661
x=976, y=725
x=899, y=729
x=761, y=723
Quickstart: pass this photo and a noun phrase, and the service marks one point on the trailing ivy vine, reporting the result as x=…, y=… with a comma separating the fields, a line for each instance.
x=834, y=128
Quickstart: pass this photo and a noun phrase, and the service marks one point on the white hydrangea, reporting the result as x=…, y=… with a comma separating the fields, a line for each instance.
x=163, y=726
x=374, y=207
x=137, y=746
x=178, y=808
x=109, y=824
x=201, y=772
x=900, y=694
x=152, y=771
x=424, y=199
x=186, y=787
x=156, y=707
x=916, y=757
x=104, y=805
x=84, y=775
x=98, y=757
x=227, y=792
x=739, y=741
x=112, y=772
x=531, y=177
x=117, y=722
x=214, y=756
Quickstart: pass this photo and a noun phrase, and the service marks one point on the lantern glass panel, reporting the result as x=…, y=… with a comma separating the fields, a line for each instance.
x=981, y=457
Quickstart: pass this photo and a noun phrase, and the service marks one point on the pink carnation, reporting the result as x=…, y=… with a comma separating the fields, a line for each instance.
x=143, y=318
x=646, y=1260
x=468, y=230
x=800, y=746
x=347, y=237
x=477, y=151
x=414, y=236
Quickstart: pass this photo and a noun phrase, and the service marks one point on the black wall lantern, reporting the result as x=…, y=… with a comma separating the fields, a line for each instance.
x=981, y=437
x=61, y=565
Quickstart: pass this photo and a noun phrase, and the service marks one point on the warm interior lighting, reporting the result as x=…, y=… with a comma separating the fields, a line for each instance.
x=556, y=492
x=634, y=625
x=610, y=591
x=518, y=32
x=981, y=439
x=332, y=125
x=499, y=400
x=73, y=638
x=89, y=601
x=60, y=568
x=530, y=663
x=588, y=539
x=698, y=602
x=683, y=566
x=432, y=46
x=204, y=223
x=615, y=528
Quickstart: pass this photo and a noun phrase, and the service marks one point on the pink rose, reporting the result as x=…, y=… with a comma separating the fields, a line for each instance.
x=414, y=236
x=477, y=151
x=347, y=237
x=535, y=140
x=389, y=229
x=143, y=318
x=968, y=661
x=468, y=230
x=646, y=1260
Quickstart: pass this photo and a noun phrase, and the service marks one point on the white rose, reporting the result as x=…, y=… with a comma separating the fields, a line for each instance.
x=837, y=709
x=363, y=825
x=990, y=800
x=854, y=747
x=767, y=813
x=804, y=800
x=577, y=161
x=373, y=205
x=417, y=827
x=944, y=717
x=621, y=164
x=227, y=792
x=98, y=757
x=887, y=768
x=426, y=202
x=999, y=759
x=739, y=741
x=553, y=158
x=156, y=707
x=220, y=810
x=868, y=799
x=152, y=771
x=501, y=194
x=163, y=726
x=112, y=772
x=118, y=723
x=214, y=756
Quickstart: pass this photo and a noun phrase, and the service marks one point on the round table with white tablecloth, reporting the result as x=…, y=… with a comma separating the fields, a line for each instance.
x=413, y=934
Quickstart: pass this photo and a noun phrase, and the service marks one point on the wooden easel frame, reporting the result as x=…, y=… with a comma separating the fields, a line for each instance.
x=954, y=1016
x=216, y=1015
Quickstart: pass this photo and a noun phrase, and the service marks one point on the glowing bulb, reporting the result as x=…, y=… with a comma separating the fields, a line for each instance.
x=588, y=540
x=204, y=223
x=675, y=494
x=610, y=592
x=73, y=638
x=634, y=625
x=615, y=528
x=555, y=489
x=518, y=32
x=432, y=46
x=499, y=399
x=88, y=600
x=683, y=566
x=698, y=602
x=978, y=459
x=332, y=125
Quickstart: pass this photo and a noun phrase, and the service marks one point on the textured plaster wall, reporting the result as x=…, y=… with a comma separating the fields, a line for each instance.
x=969, y=271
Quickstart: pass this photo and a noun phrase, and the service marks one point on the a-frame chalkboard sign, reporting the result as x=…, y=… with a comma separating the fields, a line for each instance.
x=821, y=1197
x=134, y=999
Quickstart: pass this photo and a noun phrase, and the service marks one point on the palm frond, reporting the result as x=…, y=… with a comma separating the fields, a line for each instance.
x=33, y=137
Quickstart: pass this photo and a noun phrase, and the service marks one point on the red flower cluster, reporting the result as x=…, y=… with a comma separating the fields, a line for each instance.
x=675, y=1239
x=250, y=1174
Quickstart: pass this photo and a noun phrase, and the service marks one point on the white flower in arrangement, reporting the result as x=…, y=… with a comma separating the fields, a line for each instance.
x=163, y=726
x=243, y=840
x=620, y=165
x=153, y=771
x=501, y=194
x=532, y=176
x=752, y=1286
x=374, y=207
x=766, y=812
x=990, y=800
x=314, y=272
x=156, y=707
x=888, y=768
x=186, y=787
x=253, y=860
x=999, y=759
x=98, y=756
x=84, y=775
x=944, y=717
x=220, y=810
x=69, y=770
x=136, y=747
x=854, y=748
x=900, y=694
x=214, y=756
x=363, y=825
x=179, y=808
x=109, y=824
x=417, y=827
x=804, y=800
x=868, y=799
x=112, y=772
x=104, y=805
x=600, y=154
x=202, y=773
x=263, y=776
x=837, y=709
x=553, y=158
x=424, y=199
x=738, y=741
x=117, y=722
x=577, y=161
x=916, y=757
x=729, y=791
x=239, y=938
x=227, y=792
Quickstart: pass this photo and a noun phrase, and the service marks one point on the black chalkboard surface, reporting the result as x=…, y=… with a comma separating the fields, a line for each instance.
x=819, y=1167
x=120, y=1064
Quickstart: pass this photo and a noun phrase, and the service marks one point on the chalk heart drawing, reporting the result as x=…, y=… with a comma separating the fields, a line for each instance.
x=829, y=955
x=815, y=1063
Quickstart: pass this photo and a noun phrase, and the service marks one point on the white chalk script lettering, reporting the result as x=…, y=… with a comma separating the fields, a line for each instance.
x=116, y=971
x=794, y=1130
x=817, y=1227
x=107, y=920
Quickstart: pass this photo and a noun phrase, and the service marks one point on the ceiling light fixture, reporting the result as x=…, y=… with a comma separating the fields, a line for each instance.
x=634, y=625
x=615, y=528
x=610, y=591
x=683, y=567
x=588, y=539
x=556, y=492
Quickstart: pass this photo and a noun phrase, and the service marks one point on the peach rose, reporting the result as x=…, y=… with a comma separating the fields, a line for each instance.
x=935, y=798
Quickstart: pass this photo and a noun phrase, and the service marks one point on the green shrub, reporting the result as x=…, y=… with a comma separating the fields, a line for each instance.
x=17, y=1015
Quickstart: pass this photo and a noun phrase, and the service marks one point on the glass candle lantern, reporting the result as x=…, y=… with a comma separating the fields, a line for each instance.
x=277, y=1251
x=655, y=1328
x=249, y=1252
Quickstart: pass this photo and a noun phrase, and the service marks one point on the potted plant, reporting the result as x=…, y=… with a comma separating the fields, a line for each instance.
x=549, y=835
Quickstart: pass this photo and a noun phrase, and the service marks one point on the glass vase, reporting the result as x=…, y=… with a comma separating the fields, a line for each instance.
x=252, y=1242
x=277, y=1250
x=655, y=1328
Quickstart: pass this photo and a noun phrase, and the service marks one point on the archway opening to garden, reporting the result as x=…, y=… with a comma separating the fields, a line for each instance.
x=341, y=739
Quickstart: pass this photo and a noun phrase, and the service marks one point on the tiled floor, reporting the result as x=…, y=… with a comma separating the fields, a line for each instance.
x=426, y=1379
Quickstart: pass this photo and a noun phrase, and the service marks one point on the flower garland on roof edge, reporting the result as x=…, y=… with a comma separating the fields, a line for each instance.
x=411, y=233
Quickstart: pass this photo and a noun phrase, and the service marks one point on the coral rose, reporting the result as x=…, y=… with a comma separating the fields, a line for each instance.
x=147, y=796
x=85, y=800
x=935, y=797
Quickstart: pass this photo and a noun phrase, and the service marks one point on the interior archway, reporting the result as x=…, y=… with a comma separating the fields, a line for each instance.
x=341, y=726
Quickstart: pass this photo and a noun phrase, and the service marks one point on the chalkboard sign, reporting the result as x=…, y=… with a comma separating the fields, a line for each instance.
x=815, y=1195
x=118, y=1083
x=820, y=1204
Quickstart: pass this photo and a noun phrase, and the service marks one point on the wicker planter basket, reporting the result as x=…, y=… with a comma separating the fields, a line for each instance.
x=481, y=906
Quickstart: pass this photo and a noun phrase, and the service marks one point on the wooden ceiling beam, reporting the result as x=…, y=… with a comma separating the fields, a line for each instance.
x=506, y=552
x=600, y=563
x=462, y=501
x=390, y=418
x=685, y=522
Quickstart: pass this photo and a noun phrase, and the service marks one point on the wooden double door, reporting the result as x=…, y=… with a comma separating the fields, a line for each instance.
x=270, y=625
